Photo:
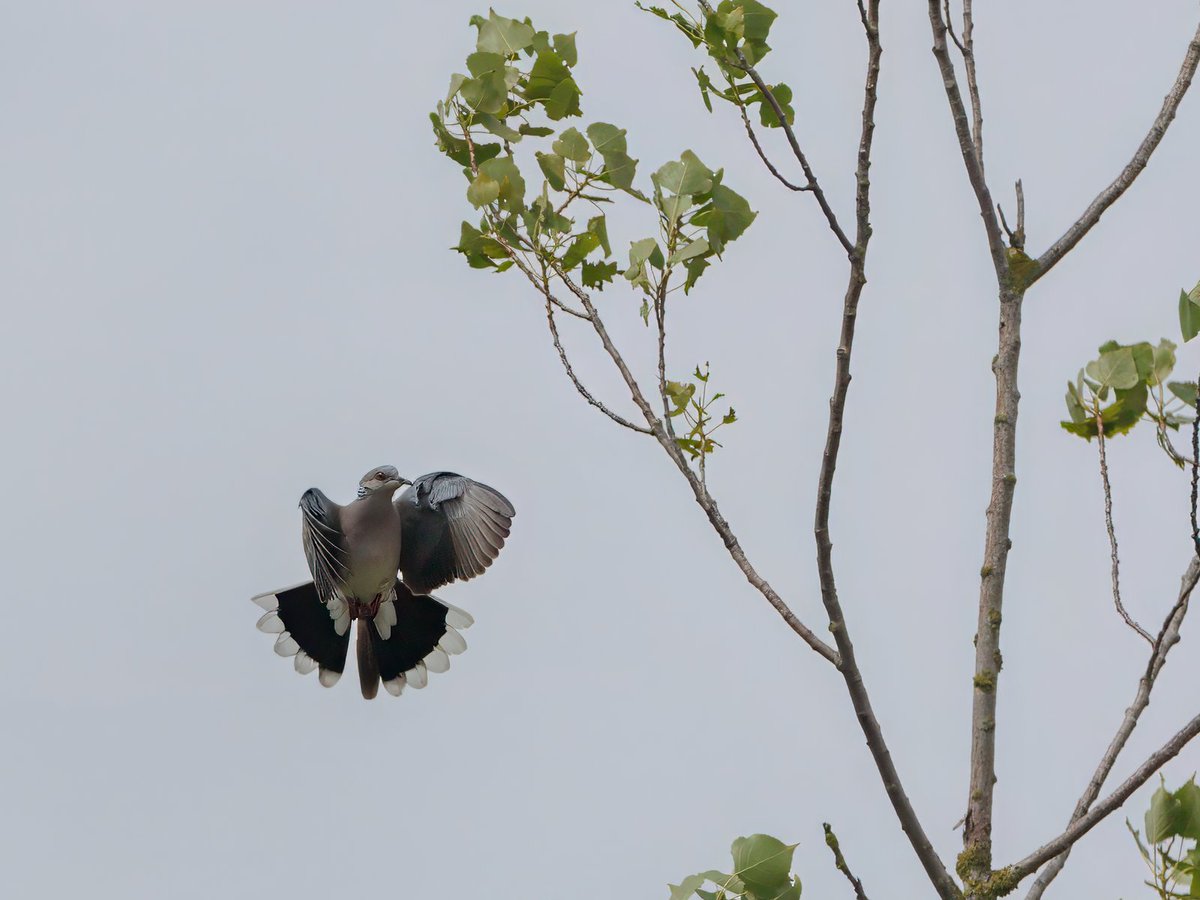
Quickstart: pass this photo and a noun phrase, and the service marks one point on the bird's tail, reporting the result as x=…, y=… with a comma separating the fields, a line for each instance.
x=368, y=665
x=305, y=630
x=421, y=639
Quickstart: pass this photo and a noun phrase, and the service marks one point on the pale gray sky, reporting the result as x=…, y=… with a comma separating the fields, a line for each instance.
x=224, y=264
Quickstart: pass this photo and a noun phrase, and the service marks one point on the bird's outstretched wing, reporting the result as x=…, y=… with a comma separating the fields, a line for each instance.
x=452, y=528
x=325, y=550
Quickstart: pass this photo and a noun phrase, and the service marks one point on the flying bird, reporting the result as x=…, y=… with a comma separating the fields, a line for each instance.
x=444, y=527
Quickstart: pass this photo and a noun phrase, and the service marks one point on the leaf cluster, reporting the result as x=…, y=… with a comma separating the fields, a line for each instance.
x=1127, y=384
x=1172, y=841
x=519, y=89
x=691, y=400
x=734, y=36
x=762, y=868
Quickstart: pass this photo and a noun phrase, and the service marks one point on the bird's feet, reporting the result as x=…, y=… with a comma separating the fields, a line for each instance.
x=368, y=610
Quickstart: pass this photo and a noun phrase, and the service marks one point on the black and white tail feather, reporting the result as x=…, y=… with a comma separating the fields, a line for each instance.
x=423, y=633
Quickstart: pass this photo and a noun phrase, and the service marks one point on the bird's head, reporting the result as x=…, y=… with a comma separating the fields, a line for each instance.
x=381, y=478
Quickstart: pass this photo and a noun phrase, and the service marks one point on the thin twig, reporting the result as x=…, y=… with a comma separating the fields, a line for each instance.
x=810, y=176
x=1112, y=536
x=587, y=395
x=972, y=81
x=1133, y=168
x=1195, y=475
x=1168, y=636
x=1016, y=239
x=950, y=26
x=972, y=157
x=763, y=156
x=1108, y=805
x=831, y=841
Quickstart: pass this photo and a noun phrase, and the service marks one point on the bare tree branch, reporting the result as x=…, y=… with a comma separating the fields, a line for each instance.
x=1112, y=536
x=587, y=395
x=1168, y=636
x=839, y=861
x=909, y=822
x=972, y=155
x=1133, y=168
x=769, y=97
x=976, y=860
x=1108, y=805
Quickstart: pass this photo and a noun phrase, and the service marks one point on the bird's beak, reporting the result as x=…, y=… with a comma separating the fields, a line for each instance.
x=398, y=483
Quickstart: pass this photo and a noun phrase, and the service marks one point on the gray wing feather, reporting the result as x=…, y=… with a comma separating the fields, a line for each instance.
x=453, y=528
x=324, y=543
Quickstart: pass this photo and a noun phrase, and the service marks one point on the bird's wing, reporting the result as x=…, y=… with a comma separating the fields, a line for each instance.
x=451, y=528
x=324, y=545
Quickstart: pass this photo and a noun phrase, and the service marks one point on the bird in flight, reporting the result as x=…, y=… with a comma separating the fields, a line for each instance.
x=444, y=527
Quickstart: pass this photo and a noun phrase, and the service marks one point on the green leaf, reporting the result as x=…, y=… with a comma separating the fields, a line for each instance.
x=564, y=46
x=1074, y=406
x=783, y=96
x=456, y=81
x=695, y=268
x=535, y=130
x=572, y=145
x=512, y=185
x=1184, y=390
x=686, y=888
x=456, y=148
x=688, y=175
x=483, y=190
x=500, y=35
x=598, y=225
x=1188, y=798
x=729, y=418
x=695, y=248
x=726, y=216
x=674, y=207
x=497, y=127
x=680, y=395
x=763, y=863
x=1164, y=361
x=563, y=100
x=644, y=312
x=554, y=168
x=609, y=141
x=487, y=93
x=645, y=250
x=1143, y=360
x=541, y=217
x=706, y=86
x=1189, y=316
x=479, y=250
x=579, y=249
x=1115, y=368
x=548, y=72
x=757, y=19
x=596, y=275
x=1164, y=816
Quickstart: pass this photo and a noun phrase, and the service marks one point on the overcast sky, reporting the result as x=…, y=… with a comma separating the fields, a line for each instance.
x=225, y=275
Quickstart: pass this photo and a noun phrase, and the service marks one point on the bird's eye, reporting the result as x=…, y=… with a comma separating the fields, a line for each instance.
x=379, y=476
